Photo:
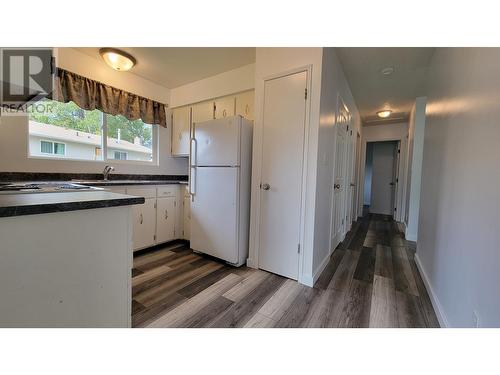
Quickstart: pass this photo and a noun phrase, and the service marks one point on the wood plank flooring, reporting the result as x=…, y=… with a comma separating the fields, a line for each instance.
x=371, y=280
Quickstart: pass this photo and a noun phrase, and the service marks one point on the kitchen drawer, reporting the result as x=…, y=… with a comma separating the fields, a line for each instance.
x=149, y=192
x=167, y=191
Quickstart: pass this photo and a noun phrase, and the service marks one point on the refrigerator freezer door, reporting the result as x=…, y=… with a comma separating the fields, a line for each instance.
x=218, y=142
x=214, y=212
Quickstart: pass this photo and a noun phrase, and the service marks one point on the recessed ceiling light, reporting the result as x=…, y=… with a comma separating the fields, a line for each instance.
x=387, y=71
x=116, y=59
x=384, y=113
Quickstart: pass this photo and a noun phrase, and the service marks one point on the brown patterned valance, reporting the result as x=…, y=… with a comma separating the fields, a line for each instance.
x=89, y=94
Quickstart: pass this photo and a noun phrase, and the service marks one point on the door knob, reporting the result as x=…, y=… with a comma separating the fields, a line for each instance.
x=265, y=186
x=336, y=186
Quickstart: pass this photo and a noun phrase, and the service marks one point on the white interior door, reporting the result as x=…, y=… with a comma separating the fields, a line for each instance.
x=349, y=176
x=340, y=181
x=281, y=174
x=382, y=191
x=214, y=212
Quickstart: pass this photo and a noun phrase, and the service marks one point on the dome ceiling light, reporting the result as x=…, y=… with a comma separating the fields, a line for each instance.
x=117, y=59
x=384, y=113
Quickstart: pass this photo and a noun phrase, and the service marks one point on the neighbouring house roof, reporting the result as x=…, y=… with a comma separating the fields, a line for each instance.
x=59, y=133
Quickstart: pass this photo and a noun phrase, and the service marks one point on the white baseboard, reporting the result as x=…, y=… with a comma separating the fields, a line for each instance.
x=310, y=280
x=443, y=321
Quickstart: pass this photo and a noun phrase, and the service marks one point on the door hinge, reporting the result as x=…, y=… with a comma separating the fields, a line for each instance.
x=154, y=237
x=298, y=248
x=305, y=94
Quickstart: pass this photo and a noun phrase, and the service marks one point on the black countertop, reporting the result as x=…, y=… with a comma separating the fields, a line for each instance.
x=42, y=203
x=127, y=182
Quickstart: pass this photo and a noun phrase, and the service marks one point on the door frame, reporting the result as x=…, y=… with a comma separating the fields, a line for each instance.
x=258, y=144
x=400, y=194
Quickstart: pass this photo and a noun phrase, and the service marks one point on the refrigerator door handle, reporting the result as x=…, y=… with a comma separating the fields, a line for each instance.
x=192, y=182
x=191, y=153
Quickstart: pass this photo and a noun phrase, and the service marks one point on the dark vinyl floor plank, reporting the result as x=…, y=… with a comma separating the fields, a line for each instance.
x=326, y=310
x=206, y=316
x=136, y=272
x=169, y=302
x=403, y=275
x=427, y=308
x=330, y=269
x=160, y=262
x=357, y=304
x=409, y=310
x=151, y=283
x=201, y=284
x=383, y=261
x=343, y=276
x=242, y=311
x=137, y=307
x=299, y=309
x=365, y=268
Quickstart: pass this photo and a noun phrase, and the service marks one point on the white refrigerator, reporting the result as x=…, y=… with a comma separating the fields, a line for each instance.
x=220, y=173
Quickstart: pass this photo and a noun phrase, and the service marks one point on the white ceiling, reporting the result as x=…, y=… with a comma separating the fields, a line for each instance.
x=373, y=91
x=173, y=67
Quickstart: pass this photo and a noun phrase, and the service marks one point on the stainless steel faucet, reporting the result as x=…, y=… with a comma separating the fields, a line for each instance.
x=107, y=170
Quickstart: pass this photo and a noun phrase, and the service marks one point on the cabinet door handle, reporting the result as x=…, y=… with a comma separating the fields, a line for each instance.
x=141, y=220
x=166, y=214
x=224, y=113
x=247, y=109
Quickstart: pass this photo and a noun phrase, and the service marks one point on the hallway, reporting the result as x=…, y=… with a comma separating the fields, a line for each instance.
x=370, y=281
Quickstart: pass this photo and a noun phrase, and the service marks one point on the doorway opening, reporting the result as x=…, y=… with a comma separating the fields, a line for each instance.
x=381, y=177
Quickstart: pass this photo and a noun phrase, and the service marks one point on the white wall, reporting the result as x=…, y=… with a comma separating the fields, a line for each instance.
x=333, y=84
x=388, y=132
x=230, y=82
x=458, y=238
x=14, y=130
x=414, y=174
x=272, y=61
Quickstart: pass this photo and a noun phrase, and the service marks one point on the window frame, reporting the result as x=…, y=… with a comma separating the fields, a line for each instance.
x=155, y=145
x=52, y=154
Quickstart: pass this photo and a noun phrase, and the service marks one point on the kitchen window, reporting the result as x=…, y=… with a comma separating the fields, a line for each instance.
x=64, y=130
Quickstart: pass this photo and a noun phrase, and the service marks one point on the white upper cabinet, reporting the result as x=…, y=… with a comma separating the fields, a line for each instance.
x=224, y=107
x=245, y=104
x=203, y=111
x=181, y=131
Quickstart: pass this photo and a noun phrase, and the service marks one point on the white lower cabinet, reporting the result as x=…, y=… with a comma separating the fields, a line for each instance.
x=144, y=224
x=161, y=218
x=165, y=219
